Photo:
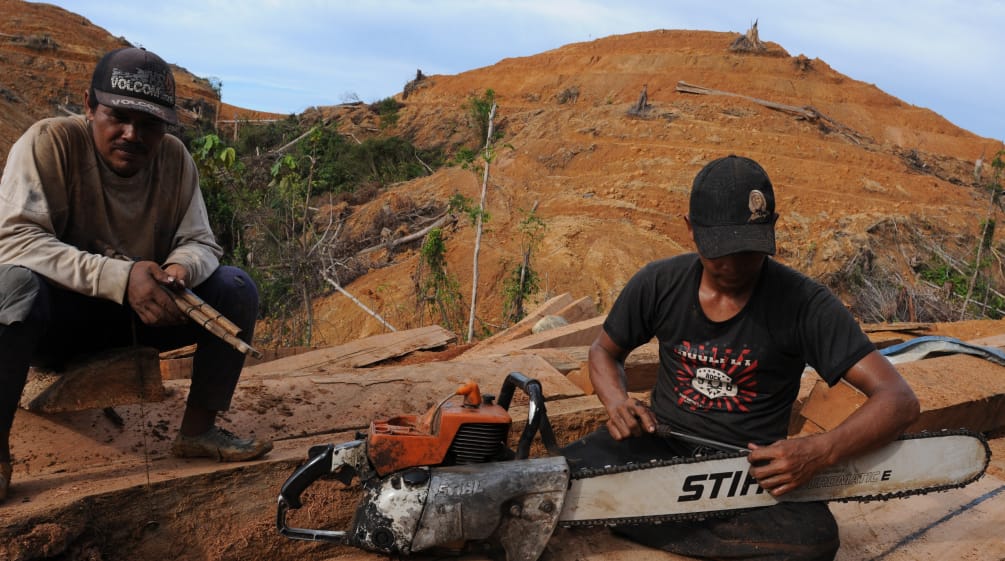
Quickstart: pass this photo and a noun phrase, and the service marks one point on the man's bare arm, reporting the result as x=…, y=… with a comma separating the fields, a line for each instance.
x=890, y=408
x=627, y=416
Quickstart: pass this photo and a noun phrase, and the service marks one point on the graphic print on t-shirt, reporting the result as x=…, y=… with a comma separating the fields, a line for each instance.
x=714, y=378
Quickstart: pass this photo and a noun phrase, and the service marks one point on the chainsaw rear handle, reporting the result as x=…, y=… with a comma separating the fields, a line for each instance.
x=537, y=415
x=317, y=466
x=289, y=496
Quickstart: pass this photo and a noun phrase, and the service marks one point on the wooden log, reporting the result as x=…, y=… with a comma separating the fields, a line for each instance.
x=580, y=310
x=574, y=334
x=356, y=354
x=955, y=391
x=899, y=327
x=114, y=377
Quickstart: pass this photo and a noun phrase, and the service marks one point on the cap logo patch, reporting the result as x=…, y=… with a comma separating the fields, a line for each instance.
x=758, y=205
x=156, y=85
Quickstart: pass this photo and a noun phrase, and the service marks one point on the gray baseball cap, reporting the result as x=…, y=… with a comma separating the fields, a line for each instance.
x=135, y=79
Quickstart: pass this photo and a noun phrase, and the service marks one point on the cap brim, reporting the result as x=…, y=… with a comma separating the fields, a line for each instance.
x=718, y=241
x=163, y=113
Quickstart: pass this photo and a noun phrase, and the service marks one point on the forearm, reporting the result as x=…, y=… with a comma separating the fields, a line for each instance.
x=884, y=416
x=607, y=375
x=626, y=416
x=63, y=264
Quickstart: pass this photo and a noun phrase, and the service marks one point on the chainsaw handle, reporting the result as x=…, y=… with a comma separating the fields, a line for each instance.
x=317, y=466
x=289, y=497
x=537, y=415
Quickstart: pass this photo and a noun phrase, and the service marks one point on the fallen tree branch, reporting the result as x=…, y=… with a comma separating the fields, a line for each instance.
x=429, y=169
x=283, y=148
x=804, y=112
x=443, y=219
x=808, y=113
x=362, y=306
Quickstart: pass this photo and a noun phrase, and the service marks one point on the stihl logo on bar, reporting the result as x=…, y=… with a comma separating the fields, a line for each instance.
x=735, y=484
x=740, y=483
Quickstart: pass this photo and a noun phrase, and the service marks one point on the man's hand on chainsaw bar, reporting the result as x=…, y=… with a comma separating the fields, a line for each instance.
x=147, y=297
x=630, y=417
x=787, y=464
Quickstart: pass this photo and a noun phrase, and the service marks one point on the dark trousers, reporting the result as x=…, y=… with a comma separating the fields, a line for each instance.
x=786, y=531
x=54, y=325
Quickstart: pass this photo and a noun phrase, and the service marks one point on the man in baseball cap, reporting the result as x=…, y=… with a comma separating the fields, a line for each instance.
x=78, y=191
x=736, y=330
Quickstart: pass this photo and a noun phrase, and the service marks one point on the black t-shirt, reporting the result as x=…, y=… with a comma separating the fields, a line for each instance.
x=734, y=381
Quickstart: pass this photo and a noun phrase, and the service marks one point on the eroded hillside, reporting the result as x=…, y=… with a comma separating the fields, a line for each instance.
x=868, y=186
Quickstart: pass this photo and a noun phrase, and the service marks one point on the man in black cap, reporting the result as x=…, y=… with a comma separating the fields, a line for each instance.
x=75, y=191
x=736, y=330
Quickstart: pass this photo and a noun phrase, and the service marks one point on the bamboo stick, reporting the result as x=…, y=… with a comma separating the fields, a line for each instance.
x=211, y=320
x=189, y=298
x=200, y=312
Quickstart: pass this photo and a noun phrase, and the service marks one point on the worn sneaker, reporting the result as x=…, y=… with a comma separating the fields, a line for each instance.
x=5, y=471
x=221, y=444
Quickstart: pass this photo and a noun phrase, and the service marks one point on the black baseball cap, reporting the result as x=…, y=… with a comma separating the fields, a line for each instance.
x=135, y=79
x=732, y=208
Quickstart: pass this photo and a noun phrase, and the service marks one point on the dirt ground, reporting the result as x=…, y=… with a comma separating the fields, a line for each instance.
x=871, y=185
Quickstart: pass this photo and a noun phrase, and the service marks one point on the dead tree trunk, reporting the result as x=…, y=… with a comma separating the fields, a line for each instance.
x=478, y=224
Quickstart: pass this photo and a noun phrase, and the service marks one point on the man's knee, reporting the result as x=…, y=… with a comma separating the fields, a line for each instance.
x=233, y=293
x=19, y=290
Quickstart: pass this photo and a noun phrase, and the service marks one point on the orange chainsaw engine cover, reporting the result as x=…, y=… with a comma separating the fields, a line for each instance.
x=410, y=440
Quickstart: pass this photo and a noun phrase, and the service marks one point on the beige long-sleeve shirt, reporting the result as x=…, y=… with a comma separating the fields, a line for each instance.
x=61, y=208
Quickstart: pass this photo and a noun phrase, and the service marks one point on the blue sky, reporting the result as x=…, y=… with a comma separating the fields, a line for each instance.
x=285, y=56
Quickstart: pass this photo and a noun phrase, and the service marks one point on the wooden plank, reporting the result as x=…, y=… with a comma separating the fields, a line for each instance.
x=580, y=310
x=827, y=407
x=957, y=391
x=581, y=333
x=642, y=367
x=48, y=501
x=897, y=327
x=105, y=379
x=563, y=359
x=991, y=341
x=581, y=377
x=523, y=327
x=358, y=353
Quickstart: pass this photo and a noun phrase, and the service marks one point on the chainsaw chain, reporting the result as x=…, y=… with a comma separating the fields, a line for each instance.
x=587, y=473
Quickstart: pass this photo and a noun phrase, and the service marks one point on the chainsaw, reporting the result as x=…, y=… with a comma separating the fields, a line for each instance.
x=448, y=479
